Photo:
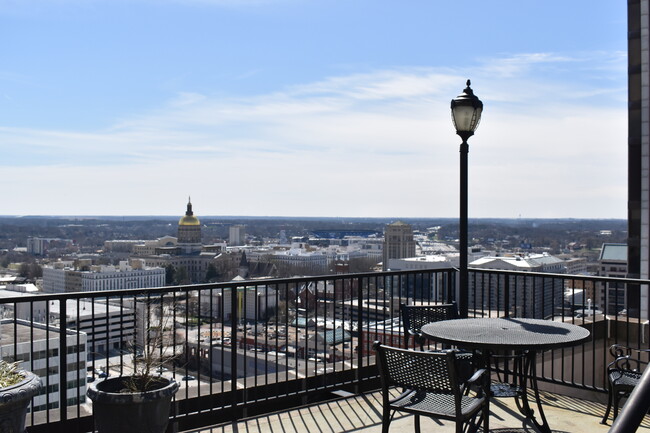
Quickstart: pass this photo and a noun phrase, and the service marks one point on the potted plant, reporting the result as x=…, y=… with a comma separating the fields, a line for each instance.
x=140, y=402
x=17, y=387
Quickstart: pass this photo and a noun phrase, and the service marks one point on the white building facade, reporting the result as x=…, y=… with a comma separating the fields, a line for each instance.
x=101, y=278
x=529, y=296
x=38, y=347
x=251, y=302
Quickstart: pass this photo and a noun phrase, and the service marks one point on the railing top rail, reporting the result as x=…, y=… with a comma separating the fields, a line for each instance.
x=295, y=280
x=563, y=276
x=208, y=286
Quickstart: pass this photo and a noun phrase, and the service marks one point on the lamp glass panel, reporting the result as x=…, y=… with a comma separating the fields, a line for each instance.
x=477, y=118
x=463, y=116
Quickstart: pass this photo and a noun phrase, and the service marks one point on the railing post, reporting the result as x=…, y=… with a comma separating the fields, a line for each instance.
x=360, y=342
x=63, y=360
x=506, y=295
x=450, y=287
x=234, y=303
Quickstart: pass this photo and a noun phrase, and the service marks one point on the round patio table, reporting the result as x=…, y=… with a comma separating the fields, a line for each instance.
x=526, y=337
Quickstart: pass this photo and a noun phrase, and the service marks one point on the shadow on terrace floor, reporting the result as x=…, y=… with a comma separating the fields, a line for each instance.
x=363, y=414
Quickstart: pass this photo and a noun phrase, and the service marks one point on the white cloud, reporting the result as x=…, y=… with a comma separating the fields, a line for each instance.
x=376, y=144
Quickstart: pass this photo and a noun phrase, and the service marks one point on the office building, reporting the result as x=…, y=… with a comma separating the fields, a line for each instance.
x=101, y=277
x=530, y=296
x=41, y=246
x=398, y=242
x=250, y=302
x=37, y=346
x=237, y=235
x=612, y=263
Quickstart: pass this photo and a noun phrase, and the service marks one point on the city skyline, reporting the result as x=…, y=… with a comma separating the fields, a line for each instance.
x=292, y=108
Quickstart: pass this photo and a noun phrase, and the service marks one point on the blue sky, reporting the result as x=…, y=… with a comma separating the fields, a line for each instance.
x=311, y=108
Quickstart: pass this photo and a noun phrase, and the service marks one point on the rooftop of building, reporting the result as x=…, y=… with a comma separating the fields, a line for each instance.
x=614, y=253
x=26, y=331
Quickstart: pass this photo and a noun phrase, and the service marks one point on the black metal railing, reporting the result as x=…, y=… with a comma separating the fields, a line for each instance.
x=249, y=347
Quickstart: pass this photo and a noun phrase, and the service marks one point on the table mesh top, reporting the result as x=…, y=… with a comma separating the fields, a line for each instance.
x=502, y=333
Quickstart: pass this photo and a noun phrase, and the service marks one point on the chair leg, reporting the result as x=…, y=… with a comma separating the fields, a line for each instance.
x=617, y=398
x=417, y=423
x=385, y=422
x=610, y=397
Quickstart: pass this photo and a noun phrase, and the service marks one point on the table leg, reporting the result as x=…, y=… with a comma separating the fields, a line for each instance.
x=508, y=387
x=529, y=376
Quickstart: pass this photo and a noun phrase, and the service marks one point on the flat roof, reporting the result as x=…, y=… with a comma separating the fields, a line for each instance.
x=23, y=330
x=86, y=308
x=614, y=252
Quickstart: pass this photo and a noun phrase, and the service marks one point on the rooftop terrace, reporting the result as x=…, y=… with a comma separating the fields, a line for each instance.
x=362, y=414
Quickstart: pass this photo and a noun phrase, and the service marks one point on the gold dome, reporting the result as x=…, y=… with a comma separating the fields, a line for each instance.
x=189, y=219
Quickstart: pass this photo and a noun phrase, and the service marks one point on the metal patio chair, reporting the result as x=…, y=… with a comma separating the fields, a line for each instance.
x=623, y=374
x=416, y=316
x=430, y=386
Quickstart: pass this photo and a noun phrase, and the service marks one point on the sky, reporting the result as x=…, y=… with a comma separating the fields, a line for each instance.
x=312, y=107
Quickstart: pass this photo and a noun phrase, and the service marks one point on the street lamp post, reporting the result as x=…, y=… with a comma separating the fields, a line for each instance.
x=466, y=111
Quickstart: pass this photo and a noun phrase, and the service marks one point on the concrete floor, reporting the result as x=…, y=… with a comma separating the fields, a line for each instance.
x=362, y=414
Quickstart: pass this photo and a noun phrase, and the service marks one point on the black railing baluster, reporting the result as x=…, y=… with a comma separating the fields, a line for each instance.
x=79, y=363
x=234, y=320
x=63, y=361
x=360, y=342
x=47, y=360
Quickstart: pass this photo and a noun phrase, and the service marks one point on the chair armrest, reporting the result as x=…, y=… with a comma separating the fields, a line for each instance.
x=420, y=339
x=476, y=376
x=479, y=381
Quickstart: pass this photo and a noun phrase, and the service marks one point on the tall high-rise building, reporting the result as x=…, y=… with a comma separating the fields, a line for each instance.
x=638, y=150
x=398, y=242
x=237, y=235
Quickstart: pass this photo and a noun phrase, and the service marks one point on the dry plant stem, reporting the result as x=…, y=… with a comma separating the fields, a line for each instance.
x=10, y=374
x=155, y=351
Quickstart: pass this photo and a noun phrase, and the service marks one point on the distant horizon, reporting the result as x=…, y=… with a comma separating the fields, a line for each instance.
x=303, y=217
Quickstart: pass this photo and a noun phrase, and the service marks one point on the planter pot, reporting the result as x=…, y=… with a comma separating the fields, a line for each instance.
x=14, y=401
x=116, y=411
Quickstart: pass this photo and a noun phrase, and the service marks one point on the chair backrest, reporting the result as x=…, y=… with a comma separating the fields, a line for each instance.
x=417, y=370
x=416, y=316
x=628, y=358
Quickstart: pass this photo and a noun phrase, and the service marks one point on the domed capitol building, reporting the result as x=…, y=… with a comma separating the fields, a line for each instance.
x=185, y=251
x=189, y=231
